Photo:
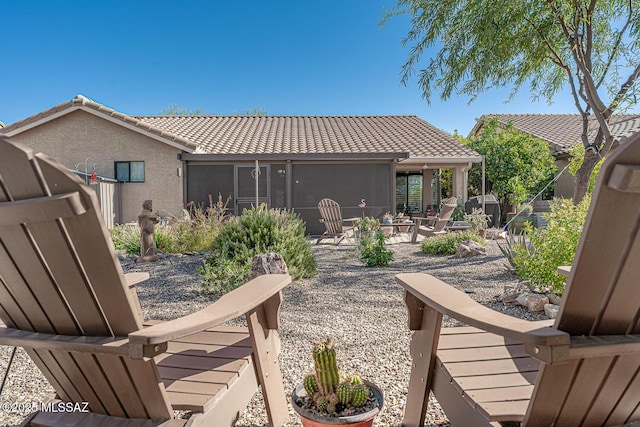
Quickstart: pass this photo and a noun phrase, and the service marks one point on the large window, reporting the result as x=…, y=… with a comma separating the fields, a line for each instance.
x=130, y=171
x=409, y=193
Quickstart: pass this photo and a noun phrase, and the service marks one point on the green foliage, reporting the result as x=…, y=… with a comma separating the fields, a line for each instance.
x=126, y=238
x=589, y=47
x=517, y=165
x=258, y=231
x=373, y=251
x=506, y=42
x=552, y=246
x=447, y=244
x=174, y=110
x=477, y=219
x=366, y=224
x=512, y=244
x=192, y=233
x=458, y=213
x=577, y=156
x=222, y=275
x=329, y=391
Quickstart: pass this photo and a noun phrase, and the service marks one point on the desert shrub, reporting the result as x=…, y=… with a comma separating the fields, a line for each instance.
x=259, y=231
x=126, y=238
x=222, y=275
x=373, y=251
x=194, y=232
x=447, y=244
x=552, y=246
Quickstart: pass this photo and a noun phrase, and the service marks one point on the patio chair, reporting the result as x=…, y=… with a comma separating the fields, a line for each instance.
x=332, y=219
x=65, y=299
x=581, y=369
x=434, y=225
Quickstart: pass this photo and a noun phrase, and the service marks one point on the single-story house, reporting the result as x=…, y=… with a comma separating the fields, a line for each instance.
x=561, y=132
x=387, y=160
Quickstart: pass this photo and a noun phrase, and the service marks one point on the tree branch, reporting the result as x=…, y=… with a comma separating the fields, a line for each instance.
x=616, y=46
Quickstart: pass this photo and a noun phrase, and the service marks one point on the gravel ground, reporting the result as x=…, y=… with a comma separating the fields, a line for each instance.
x=361, y=307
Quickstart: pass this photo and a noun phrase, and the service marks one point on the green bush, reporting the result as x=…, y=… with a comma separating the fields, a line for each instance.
x=552, y=246
x=258, y=231
x=194, y=232
x=372, y=250
x=447, y=244
x=126, y=238
x=222, y=275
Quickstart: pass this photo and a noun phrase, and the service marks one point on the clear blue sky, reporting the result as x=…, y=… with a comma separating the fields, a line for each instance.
x=288, y=57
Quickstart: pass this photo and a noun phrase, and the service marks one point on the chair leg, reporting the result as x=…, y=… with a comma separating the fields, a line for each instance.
x=265, y=355
x=424, y=343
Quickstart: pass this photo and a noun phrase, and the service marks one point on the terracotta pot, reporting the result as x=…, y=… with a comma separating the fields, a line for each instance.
x=312, y=420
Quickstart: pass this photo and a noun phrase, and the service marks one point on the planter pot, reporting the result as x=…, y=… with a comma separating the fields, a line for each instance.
x=313, y=420
x=387, y=230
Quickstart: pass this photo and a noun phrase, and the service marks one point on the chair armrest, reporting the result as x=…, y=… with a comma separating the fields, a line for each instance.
x=236, y=303
x=564, y=270
x=352, y=220
x=135, y=278
x=454, y=303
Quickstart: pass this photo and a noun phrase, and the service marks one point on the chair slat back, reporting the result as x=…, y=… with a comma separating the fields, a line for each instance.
x=446, y=210
x=331, y=215
x=602, y=297
x=59, y=274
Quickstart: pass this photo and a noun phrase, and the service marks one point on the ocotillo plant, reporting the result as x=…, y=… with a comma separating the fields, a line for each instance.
x=329, y=391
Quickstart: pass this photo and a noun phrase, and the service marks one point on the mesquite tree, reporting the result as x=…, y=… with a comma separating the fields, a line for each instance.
x=591, y=46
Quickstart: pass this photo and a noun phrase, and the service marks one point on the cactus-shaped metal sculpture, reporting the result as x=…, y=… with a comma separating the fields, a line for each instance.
x=324, y=386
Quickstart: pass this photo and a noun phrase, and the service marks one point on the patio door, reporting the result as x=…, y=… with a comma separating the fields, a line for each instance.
x=245, y=186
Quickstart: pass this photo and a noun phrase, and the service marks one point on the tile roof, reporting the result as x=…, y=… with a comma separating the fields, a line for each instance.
x=312, y=135
x=82, y=102
x=562, y=130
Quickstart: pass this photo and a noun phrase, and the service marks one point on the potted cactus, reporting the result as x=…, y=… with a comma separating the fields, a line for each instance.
x=329, y=397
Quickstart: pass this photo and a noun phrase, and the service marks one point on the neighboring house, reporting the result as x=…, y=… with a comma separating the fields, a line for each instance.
x=387, y=160
x=561, y=131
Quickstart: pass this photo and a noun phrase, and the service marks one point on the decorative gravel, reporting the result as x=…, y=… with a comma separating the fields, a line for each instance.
x=361, y=307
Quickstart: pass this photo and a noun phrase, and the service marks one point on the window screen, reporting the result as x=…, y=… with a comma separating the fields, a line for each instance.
x=203, y=180
x=129, y=171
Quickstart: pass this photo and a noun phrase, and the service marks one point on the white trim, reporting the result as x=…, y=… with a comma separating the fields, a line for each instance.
x=42, y=120
x=441, y=160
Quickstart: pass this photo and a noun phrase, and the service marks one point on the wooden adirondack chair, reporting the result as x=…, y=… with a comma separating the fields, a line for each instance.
x=581, y=370
x=434, y=225
x=64, y=298
x=337, y=227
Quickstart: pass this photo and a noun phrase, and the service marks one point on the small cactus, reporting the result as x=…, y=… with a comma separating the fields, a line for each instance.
x=310, y=385
x=324, y=385
x=327, y=375
x=360, y=394
x=344, y=393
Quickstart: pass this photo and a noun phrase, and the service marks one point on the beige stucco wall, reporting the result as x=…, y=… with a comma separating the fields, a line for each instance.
x=79, y=135
x=566, y=184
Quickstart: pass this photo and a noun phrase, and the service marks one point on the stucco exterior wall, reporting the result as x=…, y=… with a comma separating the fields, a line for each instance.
x=79, y=135
x=566, y=184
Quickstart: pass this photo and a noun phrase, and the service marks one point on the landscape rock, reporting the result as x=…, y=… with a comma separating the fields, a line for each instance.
x=469, y=248
x=512, y=292
x=536, y=302
x=551, y=310
x=522, y=299
x=270, y=263
x=553, y=298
